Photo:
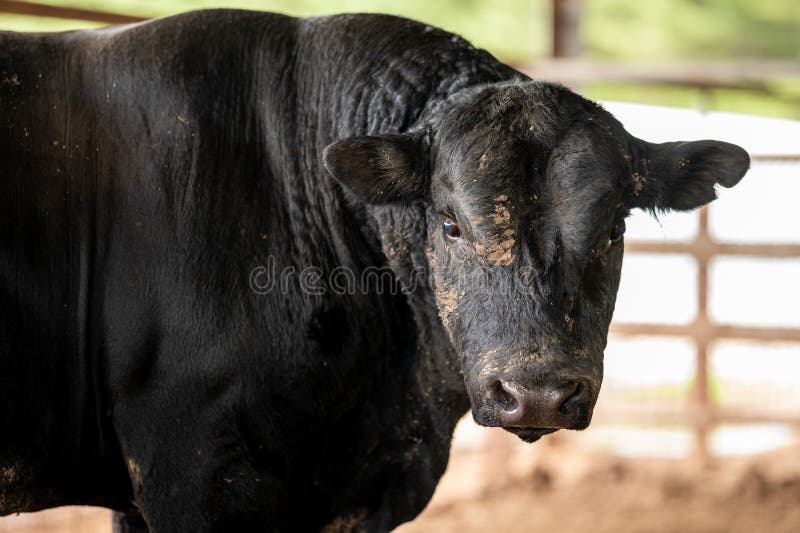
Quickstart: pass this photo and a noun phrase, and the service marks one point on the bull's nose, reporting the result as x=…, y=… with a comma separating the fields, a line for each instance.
x=563, y=405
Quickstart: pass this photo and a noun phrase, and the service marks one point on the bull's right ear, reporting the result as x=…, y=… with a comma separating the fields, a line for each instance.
x=380, y=169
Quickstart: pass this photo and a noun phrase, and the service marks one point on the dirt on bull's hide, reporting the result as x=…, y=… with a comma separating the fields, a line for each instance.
x=498, y=249
x=567, y=491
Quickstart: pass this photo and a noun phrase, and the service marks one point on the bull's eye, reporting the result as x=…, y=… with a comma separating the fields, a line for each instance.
x=451, y=229
x=617, y=231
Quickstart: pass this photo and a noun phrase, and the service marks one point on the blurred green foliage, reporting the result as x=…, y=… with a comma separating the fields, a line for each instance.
x=519, y=30
x=692, y=29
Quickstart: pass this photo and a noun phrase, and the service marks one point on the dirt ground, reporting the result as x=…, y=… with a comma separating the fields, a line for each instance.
x=558, y=486
x=61, y=520
x=566, y=490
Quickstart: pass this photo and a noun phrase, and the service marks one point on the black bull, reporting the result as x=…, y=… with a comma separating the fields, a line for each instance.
x=155, y=180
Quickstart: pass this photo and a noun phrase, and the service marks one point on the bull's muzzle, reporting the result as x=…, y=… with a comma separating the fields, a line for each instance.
x=533, y=410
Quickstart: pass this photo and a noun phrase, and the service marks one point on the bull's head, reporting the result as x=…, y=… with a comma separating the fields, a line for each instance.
x=526, y=187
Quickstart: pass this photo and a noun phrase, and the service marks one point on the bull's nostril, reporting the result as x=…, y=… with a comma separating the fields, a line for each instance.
x=573, y=395
x=503, y=398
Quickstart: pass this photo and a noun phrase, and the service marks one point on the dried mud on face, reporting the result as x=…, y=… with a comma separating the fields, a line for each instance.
x=552, y=486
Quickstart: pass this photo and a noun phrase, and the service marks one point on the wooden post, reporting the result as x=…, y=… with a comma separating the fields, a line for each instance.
x=566, y=28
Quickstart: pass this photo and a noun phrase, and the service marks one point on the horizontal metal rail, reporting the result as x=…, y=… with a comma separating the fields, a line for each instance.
x=708, y=332
x=72, y=13
x=680, y=417
x=741, y=74
x=776, y=158
x=710, y=248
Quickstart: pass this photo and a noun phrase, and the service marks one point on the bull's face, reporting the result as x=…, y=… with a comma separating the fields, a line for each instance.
x=526, y=188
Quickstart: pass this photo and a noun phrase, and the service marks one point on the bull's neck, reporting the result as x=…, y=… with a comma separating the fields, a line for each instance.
x=370, y=94
x=383, y=87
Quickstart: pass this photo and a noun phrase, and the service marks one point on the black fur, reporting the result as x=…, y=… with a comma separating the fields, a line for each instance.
x=149, y=171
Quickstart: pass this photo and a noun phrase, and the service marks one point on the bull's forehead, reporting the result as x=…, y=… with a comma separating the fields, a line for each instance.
x=489, y=158
x=505, y=187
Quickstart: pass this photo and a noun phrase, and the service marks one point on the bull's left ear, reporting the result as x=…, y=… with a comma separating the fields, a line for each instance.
x=682, y=175
x=380, y=169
